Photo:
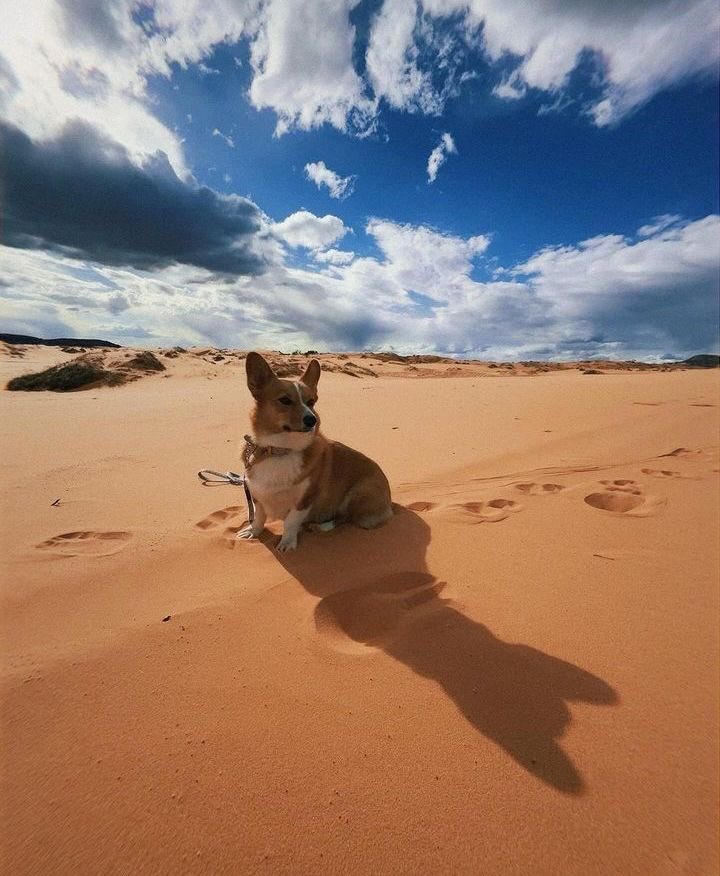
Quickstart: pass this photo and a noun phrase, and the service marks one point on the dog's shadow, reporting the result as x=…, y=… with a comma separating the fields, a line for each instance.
x=376, y=592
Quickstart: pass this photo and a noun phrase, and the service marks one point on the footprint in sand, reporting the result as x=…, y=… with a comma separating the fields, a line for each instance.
x=539, y=489
x=220, y=518
x=623, y=496
x=684, y=453
x=492, y=511
x=623, y=485
x=360, y=620
x=663, y=473
x=236, y=515
x=421, y=506
x=86, y=544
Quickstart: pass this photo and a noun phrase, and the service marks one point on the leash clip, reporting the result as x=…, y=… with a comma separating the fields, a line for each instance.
x=208, y=476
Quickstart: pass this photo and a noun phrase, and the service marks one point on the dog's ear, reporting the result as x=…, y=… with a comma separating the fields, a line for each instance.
x=259, y=373
x=312, y=374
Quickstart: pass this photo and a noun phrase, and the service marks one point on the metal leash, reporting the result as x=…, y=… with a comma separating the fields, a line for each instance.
x=211, y=478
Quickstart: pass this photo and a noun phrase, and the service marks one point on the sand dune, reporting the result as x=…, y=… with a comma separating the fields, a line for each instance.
x=517, y=674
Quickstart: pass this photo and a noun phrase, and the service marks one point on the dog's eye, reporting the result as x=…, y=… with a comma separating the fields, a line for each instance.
x=284, y=400
x=311, y=402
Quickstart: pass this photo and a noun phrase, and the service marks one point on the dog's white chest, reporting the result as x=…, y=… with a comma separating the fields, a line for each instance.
x=275, y=473
x=273, y=483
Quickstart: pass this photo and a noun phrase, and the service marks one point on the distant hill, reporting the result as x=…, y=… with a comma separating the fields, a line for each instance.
x=55, y=342
x=704, y=360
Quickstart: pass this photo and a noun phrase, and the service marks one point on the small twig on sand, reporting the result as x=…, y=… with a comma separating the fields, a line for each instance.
x=603, y=557
x=56, y=502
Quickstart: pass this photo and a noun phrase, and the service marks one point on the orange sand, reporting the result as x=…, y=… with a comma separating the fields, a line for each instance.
x=518, y=674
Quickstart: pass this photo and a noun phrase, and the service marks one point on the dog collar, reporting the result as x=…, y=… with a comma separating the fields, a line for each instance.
x=253, y=453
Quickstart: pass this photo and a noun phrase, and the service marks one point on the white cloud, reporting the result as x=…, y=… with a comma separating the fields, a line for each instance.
x=439, y=156
x=611, y=267
x=607, y=296
x=418, y=51
x=662, y=289
x=309, y=81
x=643, y=48
x=86, y=64
x=310, y=231
x=334, y=256
x=392, y=59
x=87, y=60
x=659, y=223
x=511, y=87
x=424, y=259
x=339, y=187
x=229, y=140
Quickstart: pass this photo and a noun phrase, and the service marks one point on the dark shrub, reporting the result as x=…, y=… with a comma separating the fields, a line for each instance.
x=63, y=378
x=145, y=361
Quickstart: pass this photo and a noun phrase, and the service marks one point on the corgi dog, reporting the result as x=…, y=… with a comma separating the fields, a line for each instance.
x=293, y=472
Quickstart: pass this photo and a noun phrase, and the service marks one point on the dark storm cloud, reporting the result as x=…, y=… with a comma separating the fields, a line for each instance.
x=81, y=195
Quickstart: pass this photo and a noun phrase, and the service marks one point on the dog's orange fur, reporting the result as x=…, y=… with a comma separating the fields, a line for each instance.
x=319, y=481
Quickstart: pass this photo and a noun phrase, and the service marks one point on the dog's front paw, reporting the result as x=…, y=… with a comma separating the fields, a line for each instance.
x=247, y=533
x=287, y=543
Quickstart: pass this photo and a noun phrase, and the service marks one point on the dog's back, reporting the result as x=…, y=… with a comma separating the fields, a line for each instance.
x=345, y=485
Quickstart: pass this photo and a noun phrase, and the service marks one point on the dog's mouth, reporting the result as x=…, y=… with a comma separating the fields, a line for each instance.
x=300, y=431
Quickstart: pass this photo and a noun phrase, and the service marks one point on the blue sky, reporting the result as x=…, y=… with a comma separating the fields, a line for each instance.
x=474, y=178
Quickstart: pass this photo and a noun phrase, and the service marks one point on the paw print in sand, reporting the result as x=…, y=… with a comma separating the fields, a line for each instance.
x=491, y=511
x=664, y=473
x=532, y=489
x=226, y=522
x=623, y=496
x=421, y=507
x=221, y=518
x=86, y=543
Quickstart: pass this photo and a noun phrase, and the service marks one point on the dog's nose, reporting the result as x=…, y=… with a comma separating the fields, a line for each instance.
x=309, y=420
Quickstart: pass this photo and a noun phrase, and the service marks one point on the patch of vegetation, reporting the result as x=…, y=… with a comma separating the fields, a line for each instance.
x=65, y=378
x=145, y=361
